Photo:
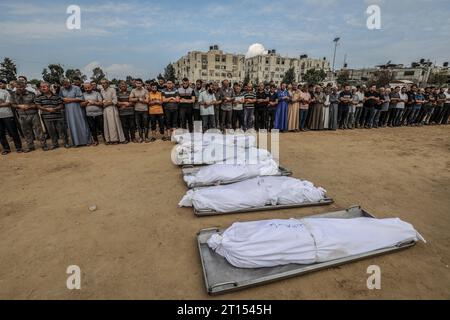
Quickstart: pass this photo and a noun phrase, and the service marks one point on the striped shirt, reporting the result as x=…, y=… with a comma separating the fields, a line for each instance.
x=170, y=94
x=124, y=96
x=187, y=94
x=249, y=95
x=52, y=101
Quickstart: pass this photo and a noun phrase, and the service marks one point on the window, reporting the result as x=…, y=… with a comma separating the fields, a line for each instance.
x=278, y=61
x=224, y=67
x=217, y=58
x=224, y=58
x=217, y=67
x=282, y=61
x=235, y=60
x=204, y=59
x=267, y=61
x=409, y=73
x=204, y=67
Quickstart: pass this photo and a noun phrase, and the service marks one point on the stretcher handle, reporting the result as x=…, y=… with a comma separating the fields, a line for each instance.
x=211, y=229
x=234, y=283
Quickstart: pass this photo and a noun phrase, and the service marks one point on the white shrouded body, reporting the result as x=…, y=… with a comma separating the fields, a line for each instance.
x=270, y=243
x=255, y=192
x=223, y=173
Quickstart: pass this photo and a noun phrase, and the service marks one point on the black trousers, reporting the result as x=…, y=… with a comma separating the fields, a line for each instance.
x=8, y=125
x=383, y=118
x=128, y=126
x=436, y=114
x=95, y=124
x=196, y=114
x=237, y=115
x=226, y=119
x=406, y=114
x=444, y=114
x=186, y=115
x=391, y=116
x=271, y=117
x=157, y=119
x=141, y=118
x=342, y=116
x=260, y=118
x=57, y=128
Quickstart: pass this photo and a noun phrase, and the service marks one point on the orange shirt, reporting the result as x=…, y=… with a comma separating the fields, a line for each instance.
x=155, y=108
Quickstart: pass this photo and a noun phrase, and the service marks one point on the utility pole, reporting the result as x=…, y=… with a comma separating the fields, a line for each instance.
x=336, y=40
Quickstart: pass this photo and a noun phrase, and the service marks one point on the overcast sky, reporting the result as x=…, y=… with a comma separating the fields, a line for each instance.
x=140, y=37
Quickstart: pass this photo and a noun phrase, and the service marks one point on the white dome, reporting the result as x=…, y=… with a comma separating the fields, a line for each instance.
x=255, y=49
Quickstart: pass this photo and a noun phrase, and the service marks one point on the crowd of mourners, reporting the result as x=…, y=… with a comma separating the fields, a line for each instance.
x=78, y=113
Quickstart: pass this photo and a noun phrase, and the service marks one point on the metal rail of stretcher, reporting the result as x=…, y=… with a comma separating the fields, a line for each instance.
x=221, y=277
x=190, y=169
x=210, y=212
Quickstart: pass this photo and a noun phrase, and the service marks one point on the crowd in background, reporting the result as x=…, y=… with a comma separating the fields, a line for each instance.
x=79, y=113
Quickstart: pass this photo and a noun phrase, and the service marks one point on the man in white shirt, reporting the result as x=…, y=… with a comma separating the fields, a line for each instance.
x=446, y=109
x=7, y=121
x=207, y=101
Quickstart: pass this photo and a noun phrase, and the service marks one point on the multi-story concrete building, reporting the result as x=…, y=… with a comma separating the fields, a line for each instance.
x=273, y=67
x=418, y=74
x=214, y=65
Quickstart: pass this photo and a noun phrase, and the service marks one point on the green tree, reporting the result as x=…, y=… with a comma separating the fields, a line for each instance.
x=289, y=76
x=97, y=74
x=35, y=82
x=115, y=82
x=343, y=77
x=169, y=73
x=313, y=76
x=129, y=80
x=8, y=70
x=72, y=73
x=438, y=78
x=246, y=78
x=54, y=73
x=382, y=78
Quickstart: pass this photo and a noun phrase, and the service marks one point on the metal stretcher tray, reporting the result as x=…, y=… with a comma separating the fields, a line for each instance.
x=190, y=169
x=209, y=212
x=221, y=277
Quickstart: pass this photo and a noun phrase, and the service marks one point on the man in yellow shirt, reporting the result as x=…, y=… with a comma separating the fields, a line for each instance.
x=155, y=109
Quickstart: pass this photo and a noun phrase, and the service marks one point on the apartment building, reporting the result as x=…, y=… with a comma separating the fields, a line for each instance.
x=213, y=65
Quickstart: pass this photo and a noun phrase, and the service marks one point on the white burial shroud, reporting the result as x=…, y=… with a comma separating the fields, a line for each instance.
x=270, y=243
x=223, y=173
x=215, y=153
x=256, y=192
x=215, y=138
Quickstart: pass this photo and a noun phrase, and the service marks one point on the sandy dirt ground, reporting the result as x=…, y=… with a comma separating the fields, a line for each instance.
x=140, y=245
